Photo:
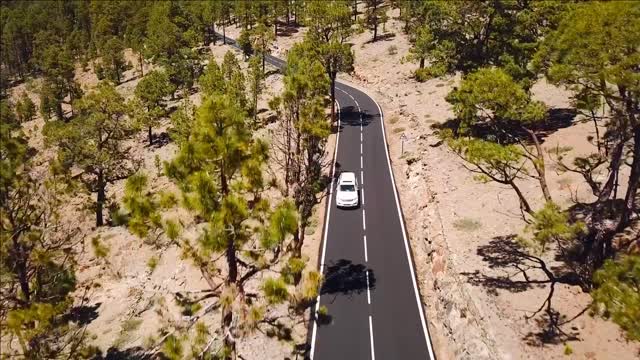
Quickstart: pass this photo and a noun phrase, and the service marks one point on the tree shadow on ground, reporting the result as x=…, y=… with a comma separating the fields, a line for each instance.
x=134, y=353
x=524, y=271
x=84, y=314
x=511, y=132
x=383, y=37
x=346, y=278
x=287, y=30
x=161, y=139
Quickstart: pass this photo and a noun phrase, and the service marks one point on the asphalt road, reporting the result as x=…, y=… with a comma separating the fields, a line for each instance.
x=370, y=289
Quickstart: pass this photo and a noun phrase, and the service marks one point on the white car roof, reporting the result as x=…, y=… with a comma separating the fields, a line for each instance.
x=347, y=177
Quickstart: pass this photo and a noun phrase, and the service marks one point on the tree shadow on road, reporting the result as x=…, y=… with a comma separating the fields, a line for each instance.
x=346, y=278
x=350, y=116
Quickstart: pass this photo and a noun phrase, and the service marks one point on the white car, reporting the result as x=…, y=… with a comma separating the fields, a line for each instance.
x=347, y=191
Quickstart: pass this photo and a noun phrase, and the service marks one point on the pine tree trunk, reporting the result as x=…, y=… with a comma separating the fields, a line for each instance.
x=227, y=311
x=614, y=167
x=375, y=30
x=539, y=166
x=422, y=63
x=213, y=26
x=333, y=96
x=288, y=13
x=59, y=112
x=375, y=21
x=141, y=59
x=231, y=280
x=298, y=239
x=524, y=204
x=22, y=271
x=355, y=10
x=150, y=133
x=100, y=199
x=224, y=35
x=634, y=182
x=288, y=158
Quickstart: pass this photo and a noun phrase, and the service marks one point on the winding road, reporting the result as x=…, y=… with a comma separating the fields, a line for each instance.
x=370, y=291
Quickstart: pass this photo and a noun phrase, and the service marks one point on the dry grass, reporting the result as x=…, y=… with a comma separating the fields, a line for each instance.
x=467, y=224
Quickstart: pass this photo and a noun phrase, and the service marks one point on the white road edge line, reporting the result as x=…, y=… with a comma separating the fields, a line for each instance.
x=361, y=163
x=404, y=235
x=361, y=178
x=326, y=230
x=373, y=353
x=361, y=148
x=362, y=196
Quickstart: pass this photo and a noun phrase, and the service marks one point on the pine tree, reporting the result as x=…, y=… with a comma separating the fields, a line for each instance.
x=256, y=84
x=261, y=40
x=422, y=46
x=59, y=82
x=212, y=80
x=235, y=82
x=303, y=132
x=219, y=172
x=183, y=120
x=94, y=142
x=329, y=27
x=374, y=15
x=163, y=36
x=149, y=93
x=491, y=97
x=37, y=260
x=568, y=57
x=112, y=63
x=183, y=68
x=25, y=108
x=617, y=295
x=469, y=34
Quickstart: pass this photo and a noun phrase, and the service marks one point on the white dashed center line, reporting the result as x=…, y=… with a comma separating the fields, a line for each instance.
x=368, y=292
x=373, y=354
x=366, y=258
x=364, y=222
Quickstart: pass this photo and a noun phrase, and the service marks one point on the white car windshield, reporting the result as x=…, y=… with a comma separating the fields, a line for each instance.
x=347, y=188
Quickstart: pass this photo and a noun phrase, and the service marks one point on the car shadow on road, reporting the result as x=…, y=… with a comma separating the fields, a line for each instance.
x=343, y=277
